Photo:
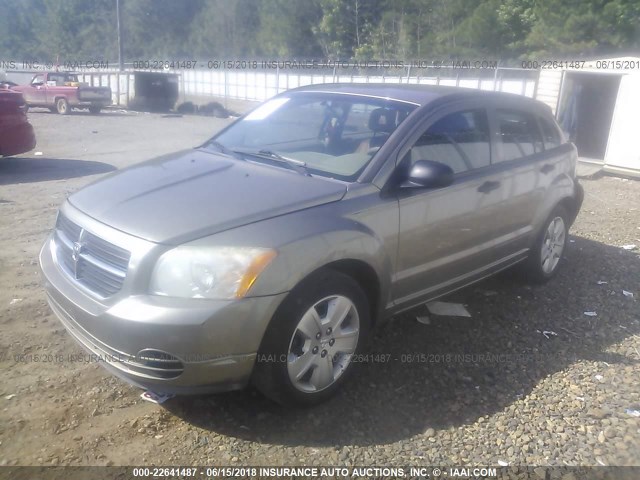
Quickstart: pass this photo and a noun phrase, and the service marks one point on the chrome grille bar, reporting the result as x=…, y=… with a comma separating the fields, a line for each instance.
x=98, y=265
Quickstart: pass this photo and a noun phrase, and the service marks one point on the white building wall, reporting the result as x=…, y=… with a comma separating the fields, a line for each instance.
x=259, y=86
x=549, y=83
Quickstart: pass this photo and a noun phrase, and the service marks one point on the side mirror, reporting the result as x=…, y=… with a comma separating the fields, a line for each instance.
x=428, y=174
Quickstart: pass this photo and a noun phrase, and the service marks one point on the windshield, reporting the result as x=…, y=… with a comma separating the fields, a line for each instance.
x=332, y=135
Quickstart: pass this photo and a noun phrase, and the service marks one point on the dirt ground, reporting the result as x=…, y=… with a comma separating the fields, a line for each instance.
x=492, y=388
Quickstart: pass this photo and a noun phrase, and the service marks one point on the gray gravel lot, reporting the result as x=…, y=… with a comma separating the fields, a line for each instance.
x=456, y=391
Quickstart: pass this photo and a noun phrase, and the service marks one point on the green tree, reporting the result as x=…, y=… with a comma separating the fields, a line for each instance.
x=158, y=29
x=59, y=28
x=286, y=28
x=227, y=28
x=483, y=32
x=338, y=29
x=583, y=28
x=622, y=18
x=346, y=28
x=516, y=18
x=17, y=32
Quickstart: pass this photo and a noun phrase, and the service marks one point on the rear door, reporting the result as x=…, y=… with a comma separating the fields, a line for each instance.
x=527, y=171
x=447, y=235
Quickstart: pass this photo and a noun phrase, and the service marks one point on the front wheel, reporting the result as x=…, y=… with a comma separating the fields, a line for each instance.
x=546, y=253
x=309, y=346
x=62, y=106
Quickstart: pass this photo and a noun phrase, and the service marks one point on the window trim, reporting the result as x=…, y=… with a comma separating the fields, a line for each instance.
x=436, y=115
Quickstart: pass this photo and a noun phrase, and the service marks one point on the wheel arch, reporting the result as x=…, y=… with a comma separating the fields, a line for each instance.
x=344, y=246
x=572, y=206
x=367, y=277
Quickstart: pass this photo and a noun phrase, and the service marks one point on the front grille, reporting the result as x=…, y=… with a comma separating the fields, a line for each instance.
x=93, y=262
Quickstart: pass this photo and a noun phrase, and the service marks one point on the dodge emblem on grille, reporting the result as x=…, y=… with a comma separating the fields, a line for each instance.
x=75, y=256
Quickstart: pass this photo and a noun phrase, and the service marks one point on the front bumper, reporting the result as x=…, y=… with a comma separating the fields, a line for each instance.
x=90, y=103
x=207, y=345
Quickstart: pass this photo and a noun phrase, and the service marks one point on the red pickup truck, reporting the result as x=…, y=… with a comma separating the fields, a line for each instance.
x=61, y=91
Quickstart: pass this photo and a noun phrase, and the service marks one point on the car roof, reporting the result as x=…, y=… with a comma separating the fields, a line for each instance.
x=416, y=94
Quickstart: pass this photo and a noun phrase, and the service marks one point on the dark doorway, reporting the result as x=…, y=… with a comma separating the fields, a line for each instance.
x=154, y=91
x=585, y=111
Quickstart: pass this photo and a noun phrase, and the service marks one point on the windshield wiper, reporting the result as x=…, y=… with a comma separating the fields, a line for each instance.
x=222, y=148
x=297, y=165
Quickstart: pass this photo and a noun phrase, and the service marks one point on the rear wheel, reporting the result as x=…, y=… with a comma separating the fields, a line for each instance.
x=309, y=346
x=62, y=106
x=546, y=253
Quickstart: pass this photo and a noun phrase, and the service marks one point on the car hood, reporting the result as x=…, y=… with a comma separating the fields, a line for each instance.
x=192, y=194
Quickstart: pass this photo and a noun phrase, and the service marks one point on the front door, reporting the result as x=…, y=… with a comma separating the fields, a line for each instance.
x=446, y=234
x=35, y=93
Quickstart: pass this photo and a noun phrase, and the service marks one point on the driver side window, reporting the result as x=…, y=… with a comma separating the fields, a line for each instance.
x=37, y=80
x=459, y=140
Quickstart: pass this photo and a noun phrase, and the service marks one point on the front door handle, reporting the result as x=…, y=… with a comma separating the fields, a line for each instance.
x=488, y=186
x=547, y=167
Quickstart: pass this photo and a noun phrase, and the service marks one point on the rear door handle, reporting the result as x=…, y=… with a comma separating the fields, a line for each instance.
x=547, y=167
x=488, y=186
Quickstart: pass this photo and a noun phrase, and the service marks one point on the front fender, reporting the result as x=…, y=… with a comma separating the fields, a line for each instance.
x=306, y=241
x=298, y=259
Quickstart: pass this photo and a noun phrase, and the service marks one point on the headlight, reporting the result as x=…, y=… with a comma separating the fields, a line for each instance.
x=209, y=272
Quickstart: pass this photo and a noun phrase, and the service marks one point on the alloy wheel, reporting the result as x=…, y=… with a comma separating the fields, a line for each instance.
x=553, y=245
x=323, y=343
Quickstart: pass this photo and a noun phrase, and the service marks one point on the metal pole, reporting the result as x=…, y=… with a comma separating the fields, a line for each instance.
x=119, y=22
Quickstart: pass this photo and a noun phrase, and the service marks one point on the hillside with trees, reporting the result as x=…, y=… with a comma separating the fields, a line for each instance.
x=327, y=29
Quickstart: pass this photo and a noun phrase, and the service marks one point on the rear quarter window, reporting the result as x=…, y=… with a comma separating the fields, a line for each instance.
x=550, y=133
x=519, y=134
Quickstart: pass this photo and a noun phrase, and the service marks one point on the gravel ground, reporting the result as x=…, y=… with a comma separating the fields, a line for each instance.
x=477, y=390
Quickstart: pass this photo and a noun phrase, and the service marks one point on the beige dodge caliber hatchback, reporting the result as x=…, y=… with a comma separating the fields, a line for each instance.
x=268, y=254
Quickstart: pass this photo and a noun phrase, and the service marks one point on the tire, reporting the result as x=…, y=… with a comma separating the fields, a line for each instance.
x=550, y=244
x=94, y=110
x=292, y=337
x=62, y=106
